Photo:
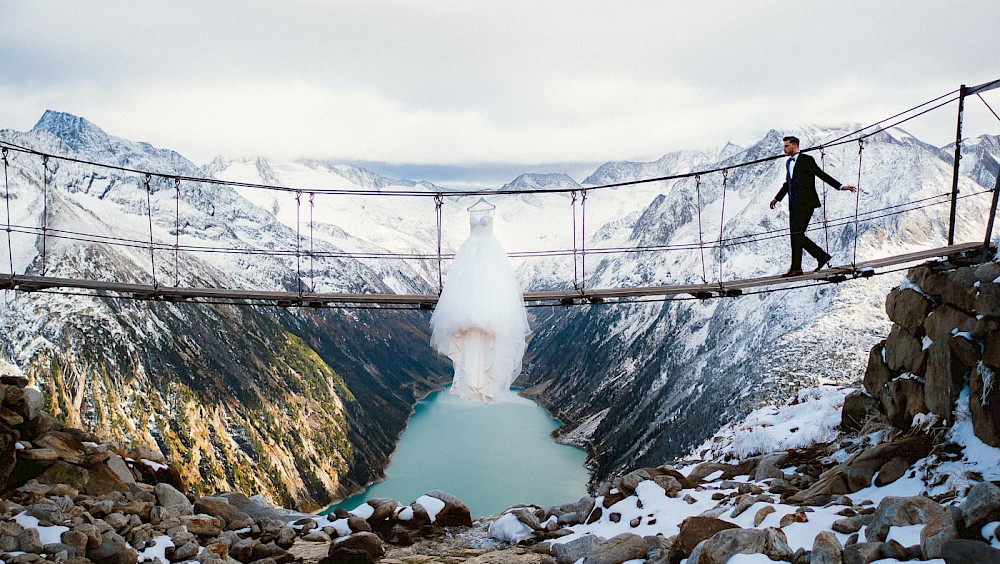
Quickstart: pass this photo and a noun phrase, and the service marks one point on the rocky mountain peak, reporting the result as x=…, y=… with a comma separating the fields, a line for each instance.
x=541, y=181
x=73, y=130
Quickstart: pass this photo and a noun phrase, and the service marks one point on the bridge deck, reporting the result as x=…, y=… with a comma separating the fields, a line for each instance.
x=727, y=288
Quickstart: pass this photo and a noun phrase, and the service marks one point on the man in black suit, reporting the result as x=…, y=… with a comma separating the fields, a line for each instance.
x=800, y=185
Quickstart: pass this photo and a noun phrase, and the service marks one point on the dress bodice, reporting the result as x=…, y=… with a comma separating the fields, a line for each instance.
x=481, y=223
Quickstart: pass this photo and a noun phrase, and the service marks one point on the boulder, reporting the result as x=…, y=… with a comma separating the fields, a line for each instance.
x=574, y=550
x=943, y=380
x=899, y=511
x=202, y=526
x=769, y=467
x=907, y=308
x=902, y=399
x=175, y=502
x=960, y=289
x=367, y=542
x=103, y=480
x=694, y=530
x=65, y=473
x=255, y=506
x=858, y=408
x=981, y=506
x=454, y=513
x=945, y=321
x=64, y=445
x=965, y=351
x=727, y=543
x=671, y=486
x=904, y=351
x=620, y=548
x=984, y=403
x=891, y=471
x=877, y=374
x=991, y=351
x=31, y=404
x=862, y=552
x=939, y=530
x=826, y=549
x=232, y=518
x=963, y=551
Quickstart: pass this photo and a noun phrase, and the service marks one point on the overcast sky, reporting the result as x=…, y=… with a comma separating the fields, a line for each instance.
x=440, y=89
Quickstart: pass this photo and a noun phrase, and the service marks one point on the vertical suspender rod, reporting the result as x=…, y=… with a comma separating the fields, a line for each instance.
x=962, y=92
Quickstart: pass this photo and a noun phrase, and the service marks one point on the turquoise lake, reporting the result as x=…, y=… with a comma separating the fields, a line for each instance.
x=491, y=457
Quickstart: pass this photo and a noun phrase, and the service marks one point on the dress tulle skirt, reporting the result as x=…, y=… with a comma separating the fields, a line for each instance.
x=480, y=321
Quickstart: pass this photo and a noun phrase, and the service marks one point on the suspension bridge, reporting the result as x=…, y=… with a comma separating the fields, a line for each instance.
x=38, y=280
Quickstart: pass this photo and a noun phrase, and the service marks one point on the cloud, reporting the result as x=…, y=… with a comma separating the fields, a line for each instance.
x=454, y=83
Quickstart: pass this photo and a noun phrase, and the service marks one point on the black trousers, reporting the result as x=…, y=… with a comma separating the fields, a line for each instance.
x=798, y=221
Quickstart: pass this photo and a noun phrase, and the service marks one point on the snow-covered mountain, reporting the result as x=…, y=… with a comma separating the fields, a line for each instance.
x=636, y=382
x=302, y=405
x=659, y=377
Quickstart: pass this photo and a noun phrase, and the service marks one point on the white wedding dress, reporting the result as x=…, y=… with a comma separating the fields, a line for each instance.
x=479, y=321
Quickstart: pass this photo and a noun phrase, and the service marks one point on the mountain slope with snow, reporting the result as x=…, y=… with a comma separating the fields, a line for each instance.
x=635, y=382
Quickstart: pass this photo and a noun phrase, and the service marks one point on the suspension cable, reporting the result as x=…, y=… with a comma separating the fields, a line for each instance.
x=312, y=267
x=857, y=199
x=45, y=209
x=583, y=240
x=177, y=231
x=298, y=241
x=701, y=236
x=826, y=227
x=214, y=181
x=576, y=276
x=722, y=222
x=438, y=203
x=6, y=192
x=149, y=214
x=988, y=105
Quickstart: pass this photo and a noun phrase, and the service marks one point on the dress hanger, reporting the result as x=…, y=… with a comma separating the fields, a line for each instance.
x=481, y=206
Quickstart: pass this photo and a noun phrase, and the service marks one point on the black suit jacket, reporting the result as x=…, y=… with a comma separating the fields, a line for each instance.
x=802, y=189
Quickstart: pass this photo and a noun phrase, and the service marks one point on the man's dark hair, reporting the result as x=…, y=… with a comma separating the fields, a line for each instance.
x=792, y=139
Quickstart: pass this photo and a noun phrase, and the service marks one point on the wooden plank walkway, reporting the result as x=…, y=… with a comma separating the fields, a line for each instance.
x=727, y=288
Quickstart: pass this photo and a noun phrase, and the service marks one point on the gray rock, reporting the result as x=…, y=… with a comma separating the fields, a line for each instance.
x=769, y=467
x=175, y=502
x=964, y=551
x=585, y=506
x=620, y=548
x=895, y=511
x=826, y=549
x=939, y=530
x=669, y=484
x=454, y=512
x=630, y=481
x=862, y=553
x=570, y=552
x=982, y=505
x=367, y=542
x=317, y=536
x=184, y=551
x=34, y=401
x=727, y=543
x=220, y=507
x=120, y=469
x=29, y=541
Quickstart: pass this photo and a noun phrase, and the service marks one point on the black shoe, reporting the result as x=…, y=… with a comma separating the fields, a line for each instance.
x=823, y=262
x=792, y=272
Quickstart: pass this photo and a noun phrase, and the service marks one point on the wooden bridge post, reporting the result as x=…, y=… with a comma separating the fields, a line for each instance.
x=993, y=215
x=962, y=93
